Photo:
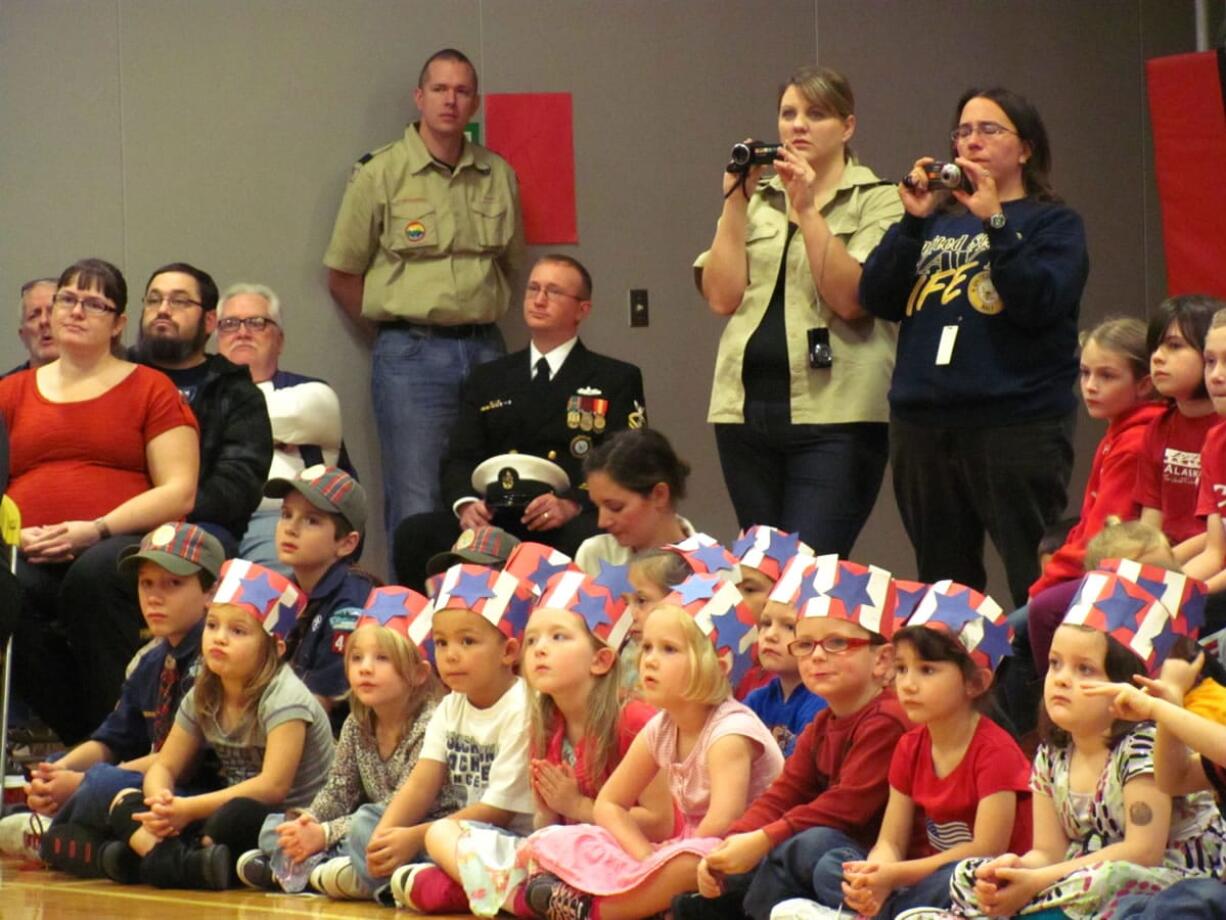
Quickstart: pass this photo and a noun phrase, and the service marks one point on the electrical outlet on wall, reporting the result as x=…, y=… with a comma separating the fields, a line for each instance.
x=638, y=307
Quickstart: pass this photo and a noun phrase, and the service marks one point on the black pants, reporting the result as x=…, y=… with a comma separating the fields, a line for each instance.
x=421, y=536
x=820, y=481
x=79, y=626
x=955, y=484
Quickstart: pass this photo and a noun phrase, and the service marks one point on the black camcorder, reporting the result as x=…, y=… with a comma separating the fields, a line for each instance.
x=749, y=154
x=943, y=175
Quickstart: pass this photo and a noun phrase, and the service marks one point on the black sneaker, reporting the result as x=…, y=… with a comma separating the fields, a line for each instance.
x=72, y=848
x=209, y=868
x=693, y=906
x=119, y=862
x=254, y=871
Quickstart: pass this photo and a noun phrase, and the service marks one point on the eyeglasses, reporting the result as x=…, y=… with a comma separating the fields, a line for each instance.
x=68, y=302
x=985, y=129
x=231, y=324
x=534, y=290
x=831, y=645
x=176, y=301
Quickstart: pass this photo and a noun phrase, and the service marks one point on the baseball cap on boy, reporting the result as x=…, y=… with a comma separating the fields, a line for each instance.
x=181, y=549
x=327, y=488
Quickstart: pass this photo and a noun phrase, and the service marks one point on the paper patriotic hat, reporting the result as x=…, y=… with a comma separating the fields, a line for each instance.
x=707, y=556
x=1125, y=611
x=721, y=614
x=796, y=579
x=503, y=600
x=842, y=590
x=615, y=578
x=1183, y=596
x=398, y=609
x=976, y=621
x=768, y=549
x=909, y=594
x=603, y=612
x=536, y=563
x=267, y=595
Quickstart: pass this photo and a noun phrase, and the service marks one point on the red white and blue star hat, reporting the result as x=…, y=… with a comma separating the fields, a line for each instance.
x=1125, y=611
x=842, y=590
x=796, y=576
x=604, y=613
x=503, y=600
x=707, y=556
x=267, y=595
x=909, y=594
x=1183, y=596
x=975, y=620
x=536, y=563
x=721, y=614
x=768, y=549
x=396, y=608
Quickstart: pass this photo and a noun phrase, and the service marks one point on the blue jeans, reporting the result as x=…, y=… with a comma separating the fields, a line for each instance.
x=820, y=481
x=361, y=828
x=90, y=805
x=415, y=387
x=1201, y=898
x=259, y=543
x=810, y=865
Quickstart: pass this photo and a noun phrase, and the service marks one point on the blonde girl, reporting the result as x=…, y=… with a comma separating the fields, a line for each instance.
x=716, y=754
x=393, y=694
x=269, y=733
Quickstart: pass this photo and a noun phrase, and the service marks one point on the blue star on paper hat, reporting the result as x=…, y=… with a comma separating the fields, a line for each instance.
x=794, y=586
x=843, y=590
x=720, y=612
x=394, y=607
x=1182, y=595
x=1126, y=612
x=500, y=598
x=910, y=593
x=615, y=578
x=767, y=549
x=605, y=614
x=267, y=595
x=706, y=556
x=536, y=563
x=973, y=619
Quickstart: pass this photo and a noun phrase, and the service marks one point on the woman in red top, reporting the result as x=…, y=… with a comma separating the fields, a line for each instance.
x=101, y=451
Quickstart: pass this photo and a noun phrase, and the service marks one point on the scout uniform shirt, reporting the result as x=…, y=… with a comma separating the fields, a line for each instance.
x=436, y=246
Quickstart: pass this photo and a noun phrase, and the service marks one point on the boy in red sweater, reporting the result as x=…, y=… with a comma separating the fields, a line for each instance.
x=835, y=785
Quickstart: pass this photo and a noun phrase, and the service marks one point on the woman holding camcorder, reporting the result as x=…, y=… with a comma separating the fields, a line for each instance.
x=984, y=279
x=799, y=397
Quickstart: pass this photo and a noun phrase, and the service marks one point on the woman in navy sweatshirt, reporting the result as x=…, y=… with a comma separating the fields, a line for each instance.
x=985, y=283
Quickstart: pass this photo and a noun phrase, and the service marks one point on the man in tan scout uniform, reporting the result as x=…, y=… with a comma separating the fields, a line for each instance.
x=424, y=246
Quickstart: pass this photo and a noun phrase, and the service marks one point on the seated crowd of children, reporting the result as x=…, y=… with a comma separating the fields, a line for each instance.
x=705, y=732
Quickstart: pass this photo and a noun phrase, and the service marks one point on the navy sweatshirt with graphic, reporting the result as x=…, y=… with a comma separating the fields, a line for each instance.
x=1012, y=294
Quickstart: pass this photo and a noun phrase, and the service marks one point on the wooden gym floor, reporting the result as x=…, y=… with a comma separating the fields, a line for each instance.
x=28, y=893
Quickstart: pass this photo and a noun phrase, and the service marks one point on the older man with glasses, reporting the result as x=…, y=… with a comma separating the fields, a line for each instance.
x=180, y=313
x=305, y=412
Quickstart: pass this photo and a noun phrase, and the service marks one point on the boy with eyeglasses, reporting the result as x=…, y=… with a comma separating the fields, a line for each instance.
x=835, y=784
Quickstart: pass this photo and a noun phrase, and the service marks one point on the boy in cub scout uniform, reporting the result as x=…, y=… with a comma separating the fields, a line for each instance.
x=424, y=246
x=555, y=401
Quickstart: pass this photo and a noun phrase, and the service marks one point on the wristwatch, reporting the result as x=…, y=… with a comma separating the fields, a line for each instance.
x=995, y=222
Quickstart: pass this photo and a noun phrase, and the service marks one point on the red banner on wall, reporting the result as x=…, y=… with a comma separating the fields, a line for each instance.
x=534, y=133
x=1188, y=116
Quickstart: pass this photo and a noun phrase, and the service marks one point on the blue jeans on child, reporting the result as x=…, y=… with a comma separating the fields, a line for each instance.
x=810, y=865
x=1191, y=899
x=90, y=805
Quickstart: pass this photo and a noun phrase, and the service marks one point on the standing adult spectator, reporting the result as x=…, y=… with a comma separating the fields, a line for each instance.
x=986, y=288
x=554, y=399
x=35, y=328
x=304, y=412
x=102, y=451
x=799, y=398
x=424, y=246
x=235, y=435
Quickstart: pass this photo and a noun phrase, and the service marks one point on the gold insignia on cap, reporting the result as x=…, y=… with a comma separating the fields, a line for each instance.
x=163, y=536
x=311, y=473
x=465, y=539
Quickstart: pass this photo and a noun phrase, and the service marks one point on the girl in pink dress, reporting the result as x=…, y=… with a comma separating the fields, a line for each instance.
x=716, y=754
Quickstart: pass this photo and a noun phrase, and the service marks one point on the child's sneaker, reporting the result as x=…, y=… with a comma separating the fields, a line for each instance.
x=804, y=909
x=20, y=834
x=254, y=871
x=424, y=888
x=553, y=899
x=337, y=879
